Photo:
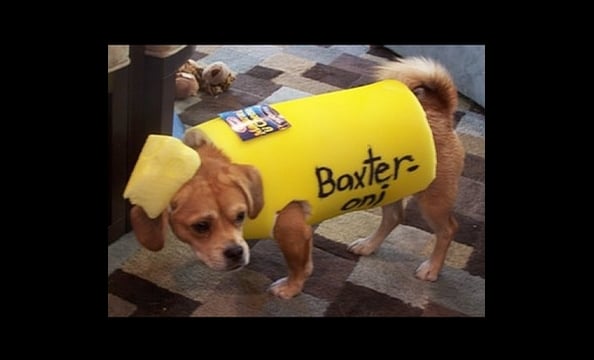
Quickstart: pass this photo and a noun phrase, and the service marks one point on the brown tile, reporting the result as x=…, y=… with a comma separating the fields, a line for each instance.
x=363, y=80
x=472, y=144
x=329, y=273
x=255, y=86
x=359, y=301
x=266, y=258
x=149, y=299
x=380, y=51
x=471, y=198
x=457, y=117
x=298, y=82
x=197, y=55
x=247, y=295
x=263, y=72
x=354, y=64
x=476, y=262
x=474, y=167
x=436, y=310
x=334, y=247
x=470, y=230
x=331, y=75
x=117, y=307
x=209, y=107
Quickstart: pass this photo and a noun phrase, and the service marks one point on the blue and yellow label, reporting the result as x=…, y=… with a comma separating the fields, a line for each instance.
x=346, y=150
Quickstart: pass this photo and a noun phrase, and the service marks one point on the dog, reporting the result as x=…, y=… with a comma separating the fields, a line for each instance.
x=209, y=211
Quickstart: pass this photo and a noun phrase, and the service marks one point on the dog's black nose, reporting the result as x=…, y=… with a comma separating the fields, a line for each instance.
x=233, y=252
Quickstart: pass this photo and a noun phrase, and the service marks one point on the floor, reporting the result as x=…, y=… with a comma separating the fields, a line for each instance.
x=172, y=283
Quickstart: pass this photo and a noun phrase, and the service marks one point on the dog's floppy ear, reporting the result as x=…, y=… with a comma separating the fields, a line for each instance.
x=149, y=232
x=250, y=182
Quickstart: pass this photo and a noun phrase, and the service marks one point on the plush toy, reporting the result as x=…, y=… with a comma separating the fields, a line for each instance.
x=186, y=85
x=187, y=80
x=216, y=78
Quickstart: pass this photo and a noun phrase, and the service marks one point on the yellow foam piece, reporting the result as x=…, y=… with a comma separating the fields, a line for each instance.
x=164, y=164
x=345, y=150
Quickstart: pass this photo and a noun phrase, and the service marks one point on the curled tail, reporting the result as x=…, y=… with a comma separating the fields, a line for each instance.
x=429, y=80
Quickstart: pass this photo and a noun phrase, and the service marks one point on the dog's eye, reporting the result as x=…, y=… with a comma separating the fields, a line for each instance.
x=201, y=227
x=240, y=217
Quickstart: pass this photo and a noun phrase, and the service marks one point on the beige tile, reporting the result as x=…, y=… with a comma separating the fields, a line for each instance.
x=304, y=84
x=175, y=268
x=349, y=227
x=288, y=63
x=457, y=256
x=472, y=144
x=207, y=49
x=119, y=307
x=377, y=59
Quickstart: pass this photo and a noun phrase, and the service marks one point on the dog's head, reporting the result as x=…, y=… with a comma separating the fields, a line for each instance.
x=208, y=212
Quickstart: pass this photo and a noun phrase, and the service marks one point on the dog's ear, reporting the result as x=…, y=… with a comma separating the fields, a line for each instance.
x=149, y=232
x=250, y=183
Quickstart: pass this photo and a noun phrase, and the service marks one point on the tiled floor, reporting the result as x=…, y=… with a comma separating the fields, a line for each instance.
x=173, y=283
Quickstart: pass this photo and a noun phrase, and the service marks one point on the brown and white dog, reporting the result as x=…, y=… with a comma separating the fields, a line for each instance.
x=208, y=212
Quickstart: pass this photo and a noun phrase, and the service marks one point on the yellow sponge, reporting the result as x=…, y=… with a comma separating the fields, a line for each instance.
x=163, y=166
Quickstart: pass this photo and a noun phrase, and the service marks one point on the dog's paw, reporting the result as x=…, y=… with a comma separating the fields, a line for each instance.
x=363, y=246
x=427, y=272
x=283, y=289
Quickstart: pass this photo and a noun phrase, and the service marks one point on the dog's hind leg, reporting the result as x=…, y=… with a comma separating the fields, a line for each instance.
x=295, y=239
x=437, y=211
x=392, y=215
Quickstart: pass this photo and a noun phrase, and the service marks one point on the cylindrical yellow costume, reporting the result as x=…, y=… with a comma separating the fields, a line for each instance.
x=346, y=150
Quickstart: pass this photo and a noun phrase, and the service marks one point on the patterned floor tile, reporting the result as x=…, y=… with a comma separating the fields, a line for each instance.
x=207, y=49
x=247, y=295
x=314, y=53
x=262, y=72
x=176, y=269
x=287, y=63
x=392, y=273
x=209, y=107
x=331, y=75
x=149, y=299
x=349, y=227
x=474, y=167
x=354, y=64
x=284, y=94
x=471, y=199
x=355, y=50
x=457, y=255
x=255, y=86
x=381, y=52
x=259, y=52
x=472, y=144
x=117, y=307
x=304, y=84
x=436, y=310
x=120, y=251
x=469, y=228
x=472, y=124
x=360, y=301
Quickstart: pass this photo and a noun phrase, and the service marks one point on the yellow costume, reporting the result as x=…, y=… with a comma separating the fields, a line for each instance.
x=345, y=150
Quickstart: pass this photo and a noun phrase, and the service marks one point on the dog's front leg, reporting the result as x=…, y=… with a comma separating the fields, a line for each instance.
x=295, y=238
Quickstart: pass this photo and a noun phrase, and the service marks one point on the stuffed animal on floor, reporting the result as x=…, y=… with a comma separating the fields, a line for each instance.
x=216, y=78
x=191, y=77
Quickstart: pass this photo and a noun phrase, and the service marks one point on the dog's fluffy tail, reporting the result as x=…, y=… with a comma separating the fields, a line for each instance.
x=429, y=80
